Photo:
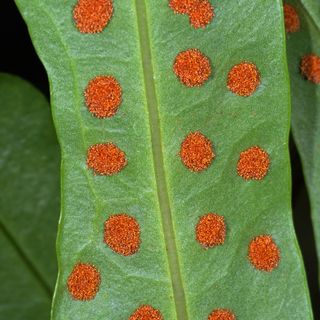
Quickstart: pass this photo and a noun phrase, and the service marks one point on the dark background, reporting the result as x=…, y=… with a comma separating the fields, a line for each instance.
x=19, y=57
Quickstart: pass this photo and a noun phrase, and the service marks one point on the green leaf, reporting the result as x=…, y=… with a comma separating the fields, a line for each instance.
x=306, y=103
x=171, y=271
x=29, y=201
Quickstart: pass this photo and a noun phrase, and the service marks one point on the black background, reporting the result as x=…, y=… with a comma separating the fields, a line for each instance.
x=17, y=56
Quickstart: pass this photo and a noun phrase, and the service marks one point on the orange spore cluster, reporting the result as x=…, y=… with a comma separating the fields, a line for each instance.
x=192, y=67
x=263, y=253
x=92, y=16
x=291, y=18
x=106, y=159
x=310, y=67
x=83, y=282
x=181, y=6
x=222, y=314
x=122, y=234
x=200, y=12
x=103, y=96
x=211, y=230
x=196, y=152
x=146, y=312
x=253, y=163
x=243, y=79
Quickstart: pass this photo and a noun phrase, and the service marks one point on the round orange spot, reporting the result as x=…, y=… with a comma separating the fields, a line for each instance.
x=192, y=67
x=196, y=152
x=211, y=230
x=92, y=16
x=103, y=96
x=243, y=79
x=201, y=14
x=253, y=163
x=291, y=18
x=221, y=314
x=310, y=67
x=106, y=159
x=146, y=312
x=182, y=6
x=83, y=282
x=122, y=234
x=263, y=253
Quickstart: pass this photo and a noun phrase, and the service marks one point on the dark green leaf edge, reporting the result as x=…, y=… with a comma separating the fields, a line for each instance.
x=306, y=103
x=29, y=202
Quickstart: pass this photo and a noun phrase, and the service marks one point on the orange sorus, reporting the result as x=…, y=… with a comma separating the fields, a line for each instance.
x=253, y=163
x=146, y=312
x=243, y=79
x=192, y=67
x=310, y=67
x=211, y=230
x=103, y=96
x=222, y=314
x=122, y=234
x=196, y=152
x=201, y=14
x=263, y=253
x=106, y=159
x=83, y=282
x=182, y=6
x=92, y=16
x=291, y=18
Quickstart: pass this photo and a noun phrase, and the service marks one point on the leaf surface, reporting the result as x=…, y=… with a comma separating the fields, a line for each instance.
x=171, y=271
x=306, y=103
x=29, y=201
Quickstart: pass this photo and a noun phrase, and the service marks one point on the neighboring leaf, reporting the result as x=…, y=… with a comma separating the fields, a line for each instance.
x=156, y=113
x=306, y=102
x=29, y=201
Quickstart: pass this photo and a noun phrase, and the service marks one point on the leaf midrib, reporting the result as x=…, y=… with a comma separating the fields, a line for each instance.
x=156, y=141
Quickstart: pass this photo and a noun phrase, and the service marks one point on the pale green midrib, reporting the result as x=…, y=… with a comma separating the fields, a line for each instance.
x=30, y=265
x=164, y=203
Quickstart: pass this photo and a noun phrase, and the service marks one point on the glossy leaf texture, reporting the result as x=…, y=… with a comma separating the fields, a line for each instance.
x=306, y=103
x=29, y=201
x=171, y=271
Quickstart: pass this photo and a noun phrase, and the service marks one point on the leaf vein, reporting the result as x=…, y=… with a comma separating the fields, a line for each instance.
x=156, y=141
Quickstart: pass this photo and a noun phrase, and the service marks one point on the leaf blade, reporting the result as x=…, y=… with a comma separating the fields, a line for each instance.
x=92, y=49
